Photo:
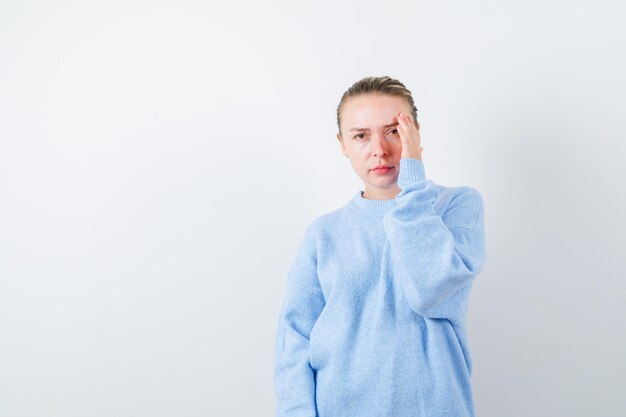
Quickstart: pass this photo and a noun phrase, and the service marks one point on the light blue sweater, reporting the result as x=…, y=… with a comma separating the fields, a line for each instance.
x=373, y=319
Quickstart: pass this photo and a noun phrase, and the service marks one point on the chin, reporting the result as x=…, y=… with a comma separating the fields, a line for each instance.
x=384, y=182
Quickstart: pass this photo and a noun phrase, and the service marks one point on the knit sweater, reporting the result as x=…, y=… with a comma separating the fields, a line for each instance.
x=373, y=318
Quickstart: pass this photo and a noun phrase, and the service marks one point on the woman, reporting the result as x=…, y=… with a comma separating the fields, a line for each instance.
x=373, y=320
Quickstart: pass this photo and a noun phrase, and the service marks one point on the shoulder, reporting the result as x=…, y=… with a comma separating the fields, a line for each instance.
x=321, y=228
x=325, y=222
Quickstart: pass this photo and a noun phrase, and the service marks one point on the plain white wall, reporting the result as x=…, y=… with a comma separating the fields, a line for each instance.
x=159, y=161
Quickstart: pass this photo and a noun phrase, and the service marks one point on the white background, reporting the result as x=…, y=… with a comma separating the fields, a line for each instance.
x=159, y=161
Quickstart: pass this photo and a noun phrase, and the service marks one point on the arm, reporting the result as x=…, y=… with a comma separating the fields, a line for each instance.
x=435, y=257
x=294, y=380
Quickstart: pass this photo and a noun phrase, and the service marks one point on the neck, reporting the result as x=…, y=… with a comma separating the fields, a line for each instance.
x=380, y=193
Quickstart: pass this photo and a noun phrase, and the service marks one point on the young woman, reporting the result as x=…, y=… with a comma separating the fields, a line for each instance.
x=373, y=320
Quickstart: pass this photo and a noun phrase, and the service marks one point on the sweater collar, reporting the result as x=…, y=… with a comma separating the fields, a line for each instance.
x=370, y=207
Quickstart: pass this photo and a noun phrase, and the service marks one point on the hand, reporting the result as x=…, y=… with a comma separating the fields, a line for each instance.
x=410, y=137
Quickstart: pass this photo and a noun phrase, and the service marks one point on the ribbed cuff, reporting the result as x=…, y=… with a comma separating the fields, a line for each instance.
x=411, y=171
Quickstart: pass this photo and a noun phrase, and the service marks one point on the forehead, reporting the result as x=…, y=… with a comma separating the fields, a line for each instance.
x=372, y=110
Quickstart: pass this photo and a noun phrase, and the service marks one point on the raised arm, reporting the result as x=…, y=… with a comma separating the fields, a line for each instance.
x=435, y=257
x=294, y=379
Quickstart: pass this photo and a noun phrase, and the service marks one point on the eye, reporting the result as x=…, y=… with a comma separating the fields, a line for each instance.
x=393, y=131
x=358, y=136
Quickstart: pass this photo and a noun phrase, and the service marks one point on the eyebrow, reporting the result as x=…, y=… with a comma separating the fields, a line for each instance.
x=363, y=129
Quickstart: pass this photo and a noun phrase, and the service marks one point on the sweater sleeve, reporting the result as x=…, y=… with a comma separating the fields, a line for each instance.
x=435, y=257
x=294, y=379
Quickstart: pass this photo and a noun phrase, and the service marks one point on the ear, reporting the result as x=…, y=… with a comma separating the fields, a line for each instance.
x=343, y=145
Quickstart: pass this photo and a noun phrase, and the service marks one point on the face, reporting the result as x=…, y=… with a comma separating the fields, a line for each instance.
x=369, y=137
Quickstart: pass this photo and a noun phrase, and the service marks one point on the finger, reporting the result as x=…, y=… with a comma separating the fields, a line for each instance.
x=402, y=130
x=409, y=128
x=408, y=132
x=402, y=120
x=415, y=124
x=409, y=120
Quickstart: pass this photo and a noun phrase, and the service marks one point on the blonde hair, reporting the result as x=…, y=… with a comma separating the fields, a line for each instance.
x=377, y=85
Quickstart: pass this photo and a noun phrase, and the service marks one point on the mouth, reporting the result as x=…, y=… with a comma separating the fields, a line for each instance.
x=383, y=169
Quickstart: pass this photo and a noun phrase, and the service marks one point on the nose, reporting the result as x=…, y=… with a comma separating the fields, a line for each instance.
x=380, y=145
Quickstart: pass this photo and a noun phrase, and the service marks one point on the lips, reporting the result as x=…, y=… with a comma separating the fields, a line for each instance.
x=382, y=169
